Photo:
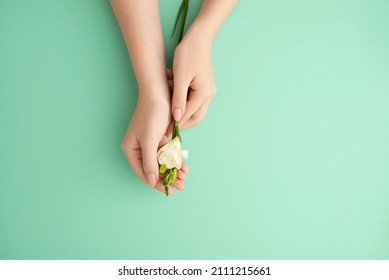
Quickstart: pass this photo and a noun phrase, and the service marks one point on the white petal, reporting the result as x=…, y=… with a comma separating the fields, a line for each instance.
x=184, y=154
x=170, y=154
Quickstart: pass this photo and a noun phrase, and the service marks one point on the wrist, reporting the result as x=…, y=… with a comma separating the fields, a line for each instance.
x=201, y=32
x=154, y=94
x=151, y=75
x=154, y=90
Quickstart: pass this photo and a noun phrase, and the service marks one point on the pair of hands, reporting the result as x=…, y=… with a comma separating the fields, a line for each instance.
x=193, y=86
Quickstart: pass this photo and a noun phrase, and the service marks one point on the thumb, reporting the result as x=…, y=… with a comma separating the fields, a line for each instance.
x=150, y=163
x=180, y=93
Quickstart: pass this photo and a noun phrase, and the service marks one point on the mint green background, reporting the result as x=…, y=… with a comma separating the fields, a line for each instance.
x=291, y=161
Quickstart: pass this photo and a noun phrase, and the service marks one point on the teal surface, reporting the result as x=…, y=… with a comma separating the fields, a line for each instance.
x=291, y=161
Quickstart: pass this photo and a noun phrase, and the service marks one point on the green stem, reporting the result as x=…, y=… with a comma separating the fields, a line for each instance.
x=167, y=190
x=176, y=131
x=184, y=11
x=183, y=21
x=171, y=174
x=178, y=17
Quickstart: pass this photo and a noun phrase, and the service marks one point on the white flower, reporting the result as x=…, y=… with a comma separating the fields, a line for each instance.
x=170, y=155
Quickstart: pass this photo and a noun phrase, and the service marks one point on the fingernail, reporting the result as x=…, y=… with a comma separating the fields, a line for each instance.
x=151, y=180
x=177, y=114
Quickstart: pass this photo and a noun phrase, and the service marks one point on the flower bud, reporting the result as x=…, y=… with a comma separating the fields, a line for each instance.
x=170, y=155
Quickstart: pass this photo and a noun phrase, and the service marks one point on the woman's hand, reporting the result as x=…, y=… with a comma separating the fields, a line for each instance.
x=194, y=83
x=145, y=134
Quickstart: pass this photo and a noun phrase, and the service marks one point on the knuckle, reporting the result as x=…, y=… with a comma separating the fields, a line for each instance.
x=180, y=50
x=179, y=98
x=124, y=148
x=196, y=119
x=214, y=91
x=211, y=91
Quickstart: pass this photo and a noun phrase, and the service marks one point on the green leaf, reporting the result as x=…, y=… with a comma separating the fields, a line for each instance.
x=177, y=17
x=174, y=174
x=170, y=177
x=162, y=169
x=167, y=190
x=183, y=21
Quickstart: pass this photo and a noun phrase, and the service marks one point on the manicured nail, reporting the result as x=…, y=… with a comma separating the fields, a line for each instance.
x=177, y=114
x=151, y=180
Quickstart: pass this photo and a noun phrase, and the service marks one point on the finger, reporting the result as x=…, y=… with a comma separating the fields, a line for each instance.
x=169, y=74
x=197, y=116
x=169, y=131
x=163, y=141
x=192, y=105
x=150, y=164
x=171, y=85
x=169, y=77
x=170, y=191
x=160, y=187
x=179, y=184
x=184, y=167
x=133, y=153
x=181, y=175
x=180, y=93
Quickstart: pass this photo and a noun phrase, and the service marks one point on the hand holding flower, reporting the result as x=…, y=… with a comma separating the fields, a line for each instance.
x=145, y=134
x=194, y=83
